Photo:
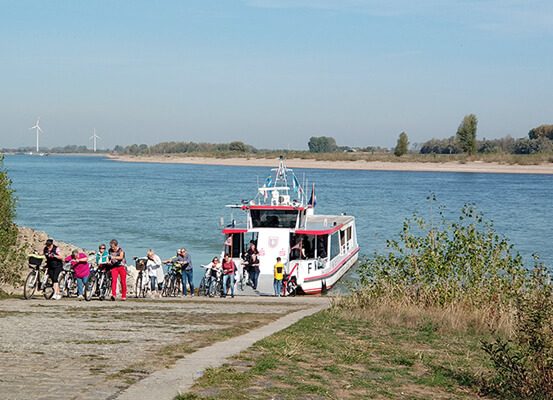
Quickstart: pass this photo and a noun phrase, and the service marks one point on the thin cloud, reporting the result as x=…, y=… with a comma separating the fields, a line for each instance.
x=500, y=16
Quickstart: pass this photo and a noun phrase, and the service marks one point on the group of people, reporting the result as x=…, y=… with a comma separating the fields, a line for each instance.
x=113, y=260
x=156, y=272
x=227, y=268
x=250, y=263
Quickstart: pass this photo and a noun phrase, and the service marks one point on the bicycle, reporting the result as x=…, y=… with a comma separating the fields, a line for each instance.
x=99, y=283
x=67, y=282
x=34, y=281
x=216, y=282
x=244, y=278
x=203, y=288
x=142, y=285
x=172, y=283
x=290, y=283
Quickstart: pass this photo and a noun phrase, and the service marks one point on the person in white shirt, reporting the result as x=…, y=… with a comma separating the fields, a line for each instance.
x=155, y=271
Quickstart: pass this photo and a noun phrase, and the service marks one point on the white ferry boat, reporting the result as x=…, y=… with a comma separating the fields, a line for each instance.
x=317, y=250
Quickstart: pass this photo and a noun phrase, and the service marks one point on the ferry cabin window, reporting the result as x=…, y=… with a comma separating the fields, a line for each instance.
x=322, y=243
x=334, y=245
x=237, y=247
x=274, y=218
x=304, y=250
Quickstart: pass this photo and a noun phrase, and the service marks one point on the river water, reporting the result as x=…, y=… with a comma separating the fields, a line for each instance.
x=88, y=200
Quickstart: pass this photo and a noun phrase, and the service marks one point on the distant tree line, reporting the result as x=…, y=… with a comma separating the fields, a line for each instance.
x=539, y=140
x=72, y=148
x=185, y=147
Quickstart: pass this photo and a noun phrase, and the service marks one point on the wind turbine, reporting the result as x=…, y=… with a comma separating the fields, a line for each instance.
x=94, y=138
x=38, y=131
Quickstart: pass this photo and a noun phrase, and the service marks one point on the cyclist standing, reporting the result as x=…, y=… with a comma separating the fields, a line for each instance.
x=253, y=262
x=155, y=271
x=102, y=256
x=187, y=272
x=117, y=262
x=229, y=269
x=79, y=262
x=54, y=263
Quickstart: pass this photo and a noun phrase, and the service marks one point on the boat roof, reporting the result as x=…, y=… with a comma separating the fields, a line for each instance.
x=324, y=224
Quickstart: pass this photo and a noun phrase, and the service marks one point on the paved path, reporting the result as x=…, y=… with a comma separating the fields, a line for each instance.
x=78, y=350
x=166, y=384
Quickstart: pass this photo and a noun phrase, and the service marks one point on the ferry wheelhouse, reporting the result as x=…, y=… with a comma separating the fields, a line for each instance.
x=317, y=250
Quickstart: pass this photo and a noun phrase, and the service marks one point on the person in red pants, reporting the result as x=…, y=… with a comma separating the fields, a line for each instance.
x=117, y=261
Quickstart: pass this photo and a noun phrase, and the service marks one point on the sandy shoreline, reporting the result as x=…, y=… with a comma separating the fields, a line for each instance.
x=470, y=167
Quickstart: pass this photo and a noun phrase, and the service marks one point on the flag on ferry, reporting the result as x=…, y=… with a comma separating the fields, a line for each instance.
x=228, y=242
x=313, y=200
x=295, y=184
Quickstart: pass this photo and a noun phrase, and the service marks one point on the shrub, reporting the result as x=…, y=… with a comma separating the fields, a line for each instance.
x=541, y=131
x=441, y=146
x=532, y=146
x=462, y=261
x=10, y=256
x=523, y=366
x=322, y=144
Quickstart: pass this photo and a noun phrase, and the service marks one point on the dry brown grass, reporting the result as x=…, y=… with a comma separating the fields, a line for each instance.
x=501, y=158
x=447, y=319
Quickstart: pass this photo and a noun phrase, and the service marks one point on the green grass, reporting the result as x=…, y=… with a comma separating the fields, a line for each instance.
x=336, y=355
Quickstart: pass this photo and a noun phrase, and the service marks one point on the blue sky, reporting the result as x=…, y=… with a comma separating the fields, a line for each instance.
x=272, y=72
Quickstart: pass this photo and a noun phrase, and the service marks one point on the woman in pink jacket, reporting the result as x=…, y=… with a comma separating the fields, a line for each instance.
x=79, y=262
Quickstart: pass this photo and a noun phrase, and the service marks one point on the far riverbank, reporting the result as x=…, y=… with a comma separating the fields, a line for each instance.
x=468, y=167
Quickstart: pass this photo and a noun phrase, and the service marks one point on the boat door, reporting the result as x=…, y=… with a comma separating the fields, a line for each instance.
x=272, y=243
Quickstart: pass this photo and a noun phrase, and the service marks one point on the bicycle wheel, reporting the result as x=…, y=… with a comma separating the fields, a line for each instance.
x=139, y=288
x=105, y=289
x=291, y=288
x=174, y=287
x=212, y=291
x=30, y=284
x=201, y=288
x=48, y=289
x=68, y=285
x=61, y=283
x=165, y=289
x=90, y=288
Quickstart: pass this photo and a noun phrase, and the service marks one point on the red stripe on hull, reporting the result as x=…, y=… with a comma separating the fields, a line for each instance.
x=334, y=270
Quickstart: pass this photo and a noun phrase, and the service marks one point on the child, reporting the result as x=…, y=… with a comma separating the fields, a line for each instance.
x=279, y=274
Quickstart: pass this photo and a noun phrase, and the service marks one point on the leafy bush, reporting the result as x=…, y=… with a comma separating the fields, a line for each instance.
x=532, y=146
x=523, y=366
x=9, y=254
x=322, y=144
x=441, y=146
x=462, y=261
x=541, y=131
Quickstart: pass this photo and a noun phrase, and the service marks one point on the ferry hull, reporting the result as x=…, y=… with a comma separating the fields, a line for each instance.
x=327, y=280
